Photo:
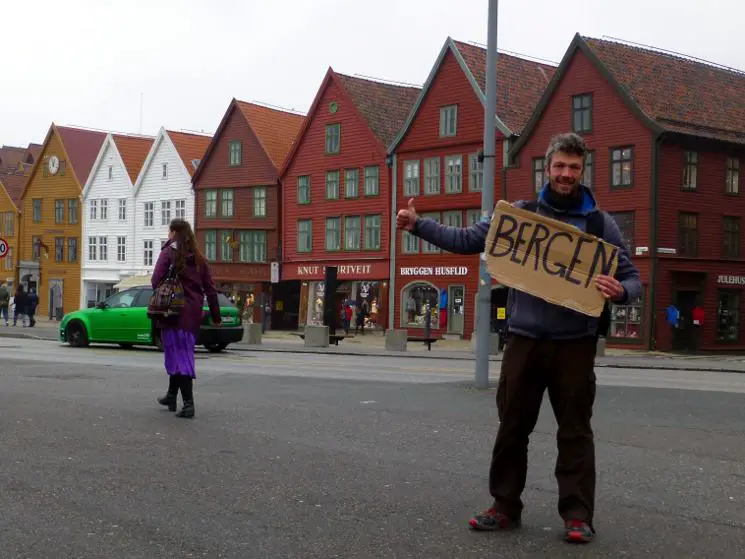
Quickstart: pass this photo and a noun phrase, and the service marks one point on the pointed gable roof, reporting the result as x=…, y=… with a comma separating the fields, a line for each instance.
x=82, y=147
x=190, y=147
x=275, y=129
x=133, y=151
x=383, y=105
x=13, y=184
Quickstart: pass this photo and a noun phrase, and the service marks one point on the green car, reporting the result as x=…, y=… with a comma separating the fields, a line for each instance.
x=122, y=319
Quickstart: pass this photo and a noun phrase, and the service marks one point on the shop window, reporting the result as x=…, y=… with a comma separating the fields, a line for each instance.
x=728, y=316
x=414, y=299
x=626, y=320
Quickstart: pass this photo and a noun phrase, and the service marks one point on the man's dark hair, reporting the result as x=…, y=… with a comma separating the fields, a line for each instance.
x=569, y=143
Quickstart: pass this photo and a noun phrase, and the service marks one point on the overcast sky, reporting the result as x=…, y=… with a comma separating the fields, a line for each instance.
x=88, y=62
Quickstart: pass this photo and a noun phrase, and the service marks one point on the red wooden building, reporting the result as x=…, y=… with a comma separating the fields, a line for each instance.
x=237, y=207
x=667, y=136
x=436, y=161
x=337, y=195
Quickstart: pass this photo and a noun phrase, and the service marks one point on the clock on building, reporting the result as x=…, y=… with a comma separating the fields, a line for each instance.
x=53, y=164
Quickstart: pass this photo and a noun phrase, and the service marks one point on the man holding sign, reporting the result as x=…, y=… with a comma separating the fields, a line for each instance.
x=552, y=344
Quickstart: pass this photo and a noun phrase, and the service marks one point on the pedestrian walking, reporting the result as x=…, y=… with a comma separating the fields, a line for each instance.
x=550, y=347
x=32, y=302
x=19, y=306
x=181, y=258
x=4, y=302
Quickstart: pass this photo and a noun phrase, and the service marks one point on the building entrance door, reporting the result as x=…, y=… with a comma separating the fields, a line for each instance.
x=456, y=309
x=684, y=336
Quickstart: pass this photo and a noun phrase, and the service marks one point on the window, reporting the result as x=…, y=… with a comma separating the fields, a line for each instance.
x=210, y=203
x=589, y=172
x=259, y=201
x=732, y=185
x=690, y=170
x=372, y=232
x=428, y=247
x=180, y=209
x=72, y=211
x=165, y=212
x=453, y=218
x=476, y=178
x=121, y=249
x=226, y=209
x=36, y=248
x=226, y=246
x=149, y=214
x=252, y=246
x=122, y=209
x=626, y=320
x=728, y=316
x=72, y=250
x=122, y=300
x=731, y=237
x=305, y=235
x=414, y=301
x=333, y=233
x=411, y=178
x=474, y=216
x=234, y=153
x=432, y=176
x=582, y=113
x=103, y=249
x=453, y=174
x=93, y=210
x=351, y=183
x=9, y=262
x=625, y=222
x=37, y=210
x=409, y=243
x=352, y=232
x=372, y=181
x=210, y=245
x=165, y=170
x=92, y=248
x=59, y=211
x=59, y=245
x=9, y=223
x=332, y=185
x=688, y=234
x=111, y=172
x=539, y=173
x=448, y=121
x=104, y=206
x=622, y=166
x=147, y=254
x=333, y=138
x=303, y=189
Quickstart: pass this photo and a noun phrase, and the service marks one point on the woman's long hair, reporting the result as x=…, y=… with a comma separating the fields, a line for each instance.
x=186, y=244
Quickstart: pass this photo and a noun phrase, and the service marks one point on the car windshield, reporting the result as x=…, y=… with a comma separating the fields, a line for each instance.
x=222, y=300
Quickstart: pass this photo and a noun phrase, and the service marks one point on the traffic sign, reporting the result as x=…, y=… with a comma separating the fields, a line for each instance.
x=3, y=248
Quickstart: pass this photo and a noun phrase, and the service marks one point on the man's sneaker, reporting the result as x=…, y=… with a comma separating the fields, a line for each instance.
x=492, y=520
x=578, y=531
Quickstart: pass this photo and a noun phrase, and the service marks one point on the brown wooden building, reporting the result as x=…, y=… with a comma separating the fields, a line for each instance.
x=667, y=139
x=436, y=161
x=337, y=195
x=11, y=187
x=237, y=202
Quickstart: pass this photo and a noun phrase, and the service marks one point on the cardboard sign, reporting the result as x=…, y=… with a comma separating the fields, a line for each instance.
x=548, y=258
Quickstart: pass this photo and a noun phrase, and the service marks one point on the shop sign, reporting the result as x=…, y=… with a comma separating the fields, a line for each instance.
x=342, y=270
x=548, y=258
x=731, y=280
x=373, y=270
x=434, y=271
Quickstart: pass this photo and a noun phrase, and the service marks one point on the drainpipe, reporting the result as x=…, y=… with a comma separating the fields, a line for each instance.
x=653, y=235
x=392, y=242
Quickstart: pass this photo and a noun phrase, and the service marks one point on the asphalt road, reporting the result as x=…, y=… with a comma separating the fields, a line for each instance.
x=300, y=455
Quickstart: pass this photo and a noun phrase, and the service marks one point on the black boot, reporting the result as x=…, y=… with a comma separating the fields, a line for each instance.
x=187, y=393
x=171, y=397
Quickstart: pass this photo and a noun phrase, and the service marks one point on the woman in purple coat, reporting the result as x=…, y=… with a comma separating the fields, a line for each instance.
x=178, y=333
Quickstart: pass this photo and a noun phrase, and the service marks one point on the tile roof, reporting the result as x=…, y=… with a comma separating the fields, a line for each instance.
x=384, y=106
x=680, y=94
x=133, y=150
x=35, y=150
x=82, y=147
x=189, y=147
x=520, y=83
x=275, y=129
x=11, y=157
x=14, y=183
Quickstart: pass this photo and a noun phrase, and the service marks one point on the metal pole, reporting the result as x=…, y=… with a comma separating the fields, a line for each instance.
x=483, y=312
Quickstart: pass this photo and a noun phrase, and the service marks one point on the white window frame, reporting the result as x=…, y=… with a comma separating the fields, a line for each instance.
x=453, y=174
x=122, y=209
x=149, y=214
x=448, y=121
x=411, y=178
x=165, y=212
x=121, y=249
x=147, y=252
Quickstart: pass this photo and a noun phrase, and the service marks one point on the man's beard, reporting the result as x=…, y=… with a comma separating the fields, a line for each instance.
x=565, y=186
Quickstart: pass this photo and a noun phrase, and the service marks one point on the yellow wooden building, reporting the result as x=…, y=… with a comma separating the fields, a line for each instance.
x=49, y=243
x=11, y=186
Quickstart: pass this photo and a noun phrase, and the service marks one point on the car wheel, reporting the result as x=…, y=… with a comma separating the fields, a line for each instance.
x=157, y=340
x=77, y=335
x=215, y=348
x=126, y=346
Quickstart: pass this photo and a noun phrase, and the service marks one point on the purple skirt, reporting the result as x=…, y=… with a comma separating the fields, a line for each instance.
x=178, y=348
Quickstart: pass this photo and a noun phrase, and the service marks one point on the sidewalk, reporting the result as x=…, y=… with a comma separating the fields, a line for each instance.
x=373, y=345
